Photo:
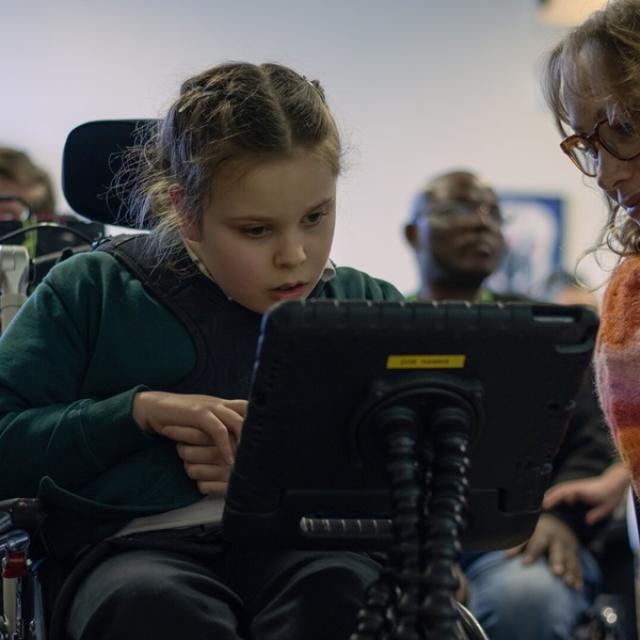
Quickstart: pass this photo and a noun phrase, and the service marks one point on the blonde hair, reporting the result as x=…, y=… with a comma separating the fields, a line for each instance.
x=599, y=61
x=232, y=112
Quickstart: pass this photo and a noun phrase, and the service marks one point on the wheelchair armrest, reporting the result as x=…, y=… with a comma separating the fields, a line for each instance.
x=21, y=513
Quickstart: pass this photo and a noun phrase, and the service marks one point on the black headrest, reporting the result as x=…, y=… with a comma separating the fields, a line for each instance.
x=92, y=156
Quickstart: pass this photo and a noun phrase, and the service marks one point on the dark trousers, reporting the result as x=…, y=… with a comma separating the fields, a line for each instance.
x=221, y=593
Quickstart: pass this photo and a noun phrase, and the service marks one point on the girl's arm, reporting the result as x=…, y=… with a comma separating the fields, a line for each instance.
x=71, y=404
x=46, y=427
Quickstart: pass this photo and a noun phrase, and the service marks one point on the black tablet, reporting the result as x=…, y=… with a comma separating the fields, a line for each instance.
x=310, y=468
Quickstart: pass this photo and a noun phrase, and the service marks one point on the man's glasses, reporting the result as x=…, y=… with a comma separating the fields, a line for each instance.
x=462, y=210
x=620, y=139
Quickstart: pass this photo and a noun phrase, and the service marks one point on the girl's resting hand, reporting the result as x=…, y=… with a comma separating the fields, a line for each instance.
x=205, y=465
x=191, y=419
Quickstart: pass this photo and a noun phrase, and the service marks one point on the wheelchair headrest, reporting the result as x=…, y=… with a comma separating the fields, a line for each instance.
x=91, y=158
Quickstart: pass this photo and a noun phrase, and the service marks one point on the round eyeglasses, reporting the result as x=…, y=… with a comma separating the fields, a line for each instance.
x=620, y=139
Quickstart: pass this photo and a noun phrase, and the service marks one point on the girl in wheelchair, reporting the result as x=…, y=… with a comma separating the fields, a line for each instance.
x=124, y=378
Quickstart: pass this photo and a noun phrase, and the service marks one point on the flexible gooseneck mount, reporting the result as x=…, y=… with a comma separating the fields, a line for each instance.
x=426, y=429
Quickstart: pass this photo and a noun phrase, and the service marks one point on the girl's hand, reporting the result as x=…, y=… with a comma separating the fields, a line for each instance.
x=604, y=493
x=192, y=419
x=205, y=465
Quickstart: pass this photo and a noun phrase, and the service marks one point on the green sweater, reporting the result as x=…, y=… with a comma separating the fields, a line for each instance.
x=88, y=339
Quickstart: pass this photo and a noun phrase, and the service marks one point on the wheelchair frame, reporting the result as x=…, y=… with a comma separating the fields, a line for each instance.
x=22, y=616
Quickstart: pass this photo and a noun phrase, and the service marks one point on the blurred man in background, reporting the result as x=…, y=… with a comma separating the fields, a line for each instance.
x=539, y=589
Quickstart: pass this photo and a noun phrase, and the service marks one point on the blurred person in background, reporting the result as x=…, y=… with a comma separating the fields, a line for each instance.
x=539, y=589
x=27, y=197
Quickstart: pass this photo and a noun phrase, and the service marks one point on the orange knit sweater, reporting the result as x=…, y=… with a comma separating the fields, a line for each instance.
x=617, y=362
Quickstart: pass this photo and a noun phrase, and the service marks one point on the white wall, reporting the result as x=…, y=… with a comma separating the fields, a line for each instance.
x=418, y=87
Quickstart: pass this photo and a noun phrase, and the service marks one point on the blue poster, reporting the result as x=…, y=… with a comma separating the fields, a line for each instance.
x=533, y=229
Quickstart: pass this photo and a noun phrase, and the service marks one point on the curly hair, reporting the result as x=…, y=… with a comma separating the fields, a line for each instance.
x=599, y=61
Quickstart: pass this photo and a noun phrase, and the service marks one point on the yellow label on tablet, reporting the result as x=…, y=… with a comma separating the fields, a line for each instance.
x=426, y=362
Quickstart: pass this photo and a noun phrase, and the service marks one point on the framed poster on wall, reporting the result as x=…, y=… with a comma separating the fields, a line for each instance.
x=534, y=233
